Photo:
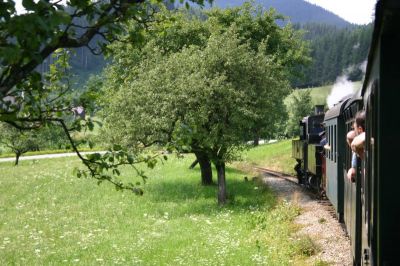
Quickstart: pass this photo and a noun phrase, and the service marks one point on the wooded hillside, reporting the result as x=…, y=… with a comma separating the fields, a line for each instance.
x=334, y=52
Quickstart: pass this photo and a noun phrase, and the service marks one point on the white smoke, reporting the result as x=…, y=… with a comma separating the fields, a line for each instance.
x=340, y=89
x=356, y=46
x=363, y=66
x=343, y=86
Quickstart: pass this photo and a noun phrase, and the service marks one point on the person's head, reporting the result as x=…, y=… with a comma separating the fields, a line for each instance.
x=359, y=122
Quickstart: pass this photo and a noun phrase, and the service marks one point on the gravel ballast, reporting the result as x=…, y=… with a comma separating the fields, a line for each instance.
x=317, y=220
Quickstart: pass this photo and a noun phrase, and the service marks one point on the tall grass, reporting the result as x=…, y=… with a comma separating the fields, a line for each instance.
x=50, y=217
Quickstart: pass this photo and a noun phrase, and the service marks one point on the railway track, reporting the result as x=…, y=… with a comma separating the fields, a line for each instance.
x=312, y=193
x=278, y=174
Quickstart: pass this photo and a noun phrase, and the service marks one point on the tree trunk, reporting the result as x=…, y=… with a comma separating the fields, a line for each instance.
x=256, y=138
x=221, y=183
x=205, y=168
x=17, y=155
x=256, y=141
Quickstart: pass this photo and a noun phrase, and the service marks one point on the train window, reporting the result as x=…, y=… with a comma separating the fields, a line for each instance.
x=327, y=140
x=330, y=152
x=301, y=131
x=335, y=145
x=347, y=149
x=330, y=142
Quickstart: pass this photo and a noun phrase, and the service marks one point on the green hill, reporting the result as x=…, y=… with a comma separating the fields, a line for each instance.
x=320, y=94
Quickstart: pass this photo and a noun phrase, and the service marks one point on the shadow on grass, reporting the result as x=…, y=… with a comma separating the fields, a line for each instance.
x=193, y=197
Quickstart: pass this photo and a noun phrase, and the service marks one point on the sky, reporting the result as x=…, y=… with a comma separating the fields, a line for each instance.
x=354, y=11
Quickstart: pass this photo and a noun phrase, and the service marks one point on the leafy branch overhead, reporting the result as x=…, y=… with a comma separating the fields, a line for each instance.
x=29, y=38
x=30, y=99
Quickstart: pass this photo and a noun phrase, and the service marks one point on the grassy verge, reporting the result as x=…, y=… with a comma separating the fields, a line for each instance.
x=51, y=217
x=275, y=156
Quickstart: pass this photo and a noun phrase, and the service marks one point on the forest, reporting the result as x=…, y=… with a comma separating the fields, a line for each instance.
x=334, y=52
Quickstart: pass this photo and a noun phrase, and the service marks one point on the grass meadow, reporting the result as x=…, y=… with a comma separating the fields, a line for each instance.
x=50, y=217
x=319, y=95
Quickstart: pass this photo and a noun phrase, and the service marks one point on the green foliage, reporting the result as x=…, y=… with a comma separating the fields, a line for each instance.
x=194, y=95
x=256, y=25
x=29, y=99
x=289, y=51
x=299, y=105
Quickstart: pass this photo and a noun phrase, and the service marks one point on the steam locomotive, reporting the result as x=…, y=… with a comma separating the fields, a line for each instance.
x=370, y=206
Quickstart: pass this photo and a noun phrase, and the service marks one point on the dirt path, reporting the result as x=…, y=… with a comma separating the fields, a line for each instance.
x=317, y=221
x=45, y=156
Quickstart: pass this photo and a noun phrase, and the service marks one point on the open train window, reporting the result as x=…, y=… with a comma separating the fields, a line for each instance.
x=330, y=142
x=335, y=144
x=348, y=152
x=302, y=131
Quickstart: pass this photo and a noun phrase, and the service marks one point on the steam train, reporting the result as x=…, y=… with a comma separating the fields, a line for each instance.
x=370, y=206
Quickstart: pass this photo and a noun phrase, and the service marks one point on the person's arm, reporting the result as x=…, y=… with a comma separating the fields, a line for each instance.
x=350, y=136
x=354, y=160
x=351, y=173
x=358, y=145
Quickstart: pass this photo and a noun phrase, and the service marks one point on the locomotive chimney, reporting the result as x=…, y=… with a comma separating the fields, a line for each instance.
x=319, y=109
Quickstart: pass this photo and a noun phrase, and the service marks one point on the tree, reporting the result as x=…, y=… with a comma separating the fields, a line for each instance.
x=255, y=26
x=171, y=32
x=19, y=142
x=198, y=99
x=181, y=30
x=299, y=105
x=29, y=38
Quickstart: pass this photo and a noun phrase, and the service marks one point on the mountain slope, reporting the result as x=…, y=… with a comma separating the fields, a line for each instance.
x=298, y=11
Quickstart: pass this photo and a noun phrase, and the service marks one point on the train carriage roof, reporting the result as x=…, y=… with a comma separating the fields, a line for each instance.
x=337, y=109
x=356, y=97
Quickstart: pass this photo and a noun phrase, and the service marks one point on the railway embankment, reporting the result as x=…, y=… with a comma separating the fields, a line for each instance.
x=316, y=221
